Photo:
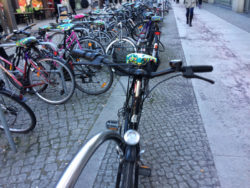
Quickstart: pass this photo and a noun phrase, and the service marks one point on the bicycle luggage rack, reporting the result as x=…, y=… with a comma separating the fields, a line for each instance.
x=77, y=164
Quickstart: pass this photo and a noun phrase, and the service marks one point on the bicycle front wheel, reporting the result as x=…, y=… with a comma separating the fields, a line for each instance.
x=19, y=117
x=56, y=76
x=129, y=175
x=120, y=48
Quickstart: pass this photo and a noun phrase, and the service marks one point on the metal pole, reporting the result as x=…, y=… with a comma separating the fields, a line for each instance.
x=7, y=131
x=9, y=13
x=3, y=21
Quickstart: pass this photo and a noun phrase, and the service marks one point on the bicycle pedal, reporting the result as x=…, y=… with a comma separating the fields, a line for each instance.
x=144, y=171
x=112, y=125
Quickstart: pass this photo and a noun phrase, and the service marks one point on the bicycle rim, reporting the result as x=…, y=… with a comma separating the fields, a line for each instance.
x=119, y=49
x=89, y=43
x=19, y=117
x=93, y=80
x=58, y=78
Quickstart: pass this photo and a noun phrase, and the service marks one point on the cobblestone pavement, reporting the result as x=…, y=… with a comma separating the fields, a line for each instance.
x=44, y=153
x=172, y=133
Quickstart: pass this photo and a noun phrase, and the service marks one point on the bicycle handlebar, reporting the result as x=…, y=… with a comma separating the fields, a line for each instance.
x=199, y=68
x=28, y=27
x=20, y=31
x=133, y=70
x=188, y=71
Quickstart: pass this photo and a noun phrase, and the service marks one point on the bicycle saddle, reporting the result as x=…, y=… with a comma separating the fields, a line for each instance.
x=140, y=59
x=79, y=16
x=26, y=42
x=156, y=19
x=65, y=27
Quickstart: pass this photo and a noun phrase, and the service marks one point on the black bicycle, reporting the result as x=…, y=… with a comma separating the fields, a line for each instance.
x=19, y=117
x=126, y=134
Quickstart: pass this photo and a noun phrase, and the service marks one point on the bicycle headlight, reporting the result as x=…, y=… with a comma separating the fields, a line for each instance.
x=132, y=137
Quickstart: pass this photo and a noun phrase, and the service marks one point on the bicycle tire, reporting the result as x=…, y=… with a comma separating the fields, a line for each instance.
x=56, y=75
x=102, y=37
x=137, y=29
x=93, y=80
x=89, y=43
x=128, y=175
x=11, y=111
x=120, y=48
x=57, y=38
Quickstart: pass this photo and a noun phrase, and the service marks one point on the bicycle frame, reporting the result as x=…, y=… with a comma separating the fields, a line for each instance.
x=67, y=42
x=72, y=38
x=22, y=71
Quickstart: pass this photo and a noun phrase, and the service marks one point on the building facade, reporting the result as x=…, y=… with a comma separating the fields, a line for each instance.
x=236, y=5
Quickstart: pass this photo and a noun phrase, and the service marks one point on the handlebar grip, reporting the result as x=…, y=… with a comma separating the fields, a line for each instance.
x=199, y=68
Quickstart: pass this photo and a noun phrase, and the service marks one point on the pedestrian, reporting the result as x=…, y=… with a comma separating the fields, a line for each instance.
x=199, y=3
x=73, y=5
x=190, y=4
x=56, y=2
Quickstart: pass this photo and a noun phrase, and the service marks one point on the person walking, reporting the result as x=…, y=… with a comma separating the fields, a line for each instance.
x=56, y=2
x=73, y=6
x=190, y=4
x=199, y=3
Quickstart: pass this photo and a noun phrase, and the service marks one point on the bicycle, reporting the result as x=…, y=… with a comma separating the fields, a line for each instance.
x=19, y=117
x=127, y=136
x=37, y=71
x=88, y=79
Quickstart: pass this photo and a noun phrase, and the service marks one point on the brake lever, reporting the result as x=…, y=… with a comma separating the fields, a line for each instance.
x=203, y=78
x=190, y=74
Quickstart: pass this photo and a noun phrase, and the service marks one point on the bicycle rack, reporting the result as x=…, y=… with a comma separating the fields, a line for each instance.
x=7, y=131
x=74, y=169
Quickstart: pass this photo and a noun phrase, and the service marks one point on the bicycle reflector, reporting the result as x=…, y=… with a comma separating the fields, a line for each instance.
x=132, y=137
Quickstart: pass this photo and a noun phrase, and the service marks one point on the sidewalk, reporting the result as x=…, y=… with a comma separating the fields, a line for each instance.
x=224, y=107
x=241, y=20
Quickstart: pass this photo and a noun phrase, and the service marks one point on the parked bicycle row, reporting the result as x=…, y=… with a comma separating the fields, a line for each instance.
x=50, y=62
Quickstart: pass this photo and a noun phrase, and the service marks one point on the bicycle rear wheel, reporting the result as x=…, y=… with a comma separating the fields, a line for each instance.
x=58, y=78
x=93, y=80
x=89, y=43
x=19, y=117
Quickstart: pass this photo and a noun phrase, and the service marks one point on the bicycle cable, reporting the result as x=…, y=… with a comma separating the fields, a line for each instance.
x=159, y=84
